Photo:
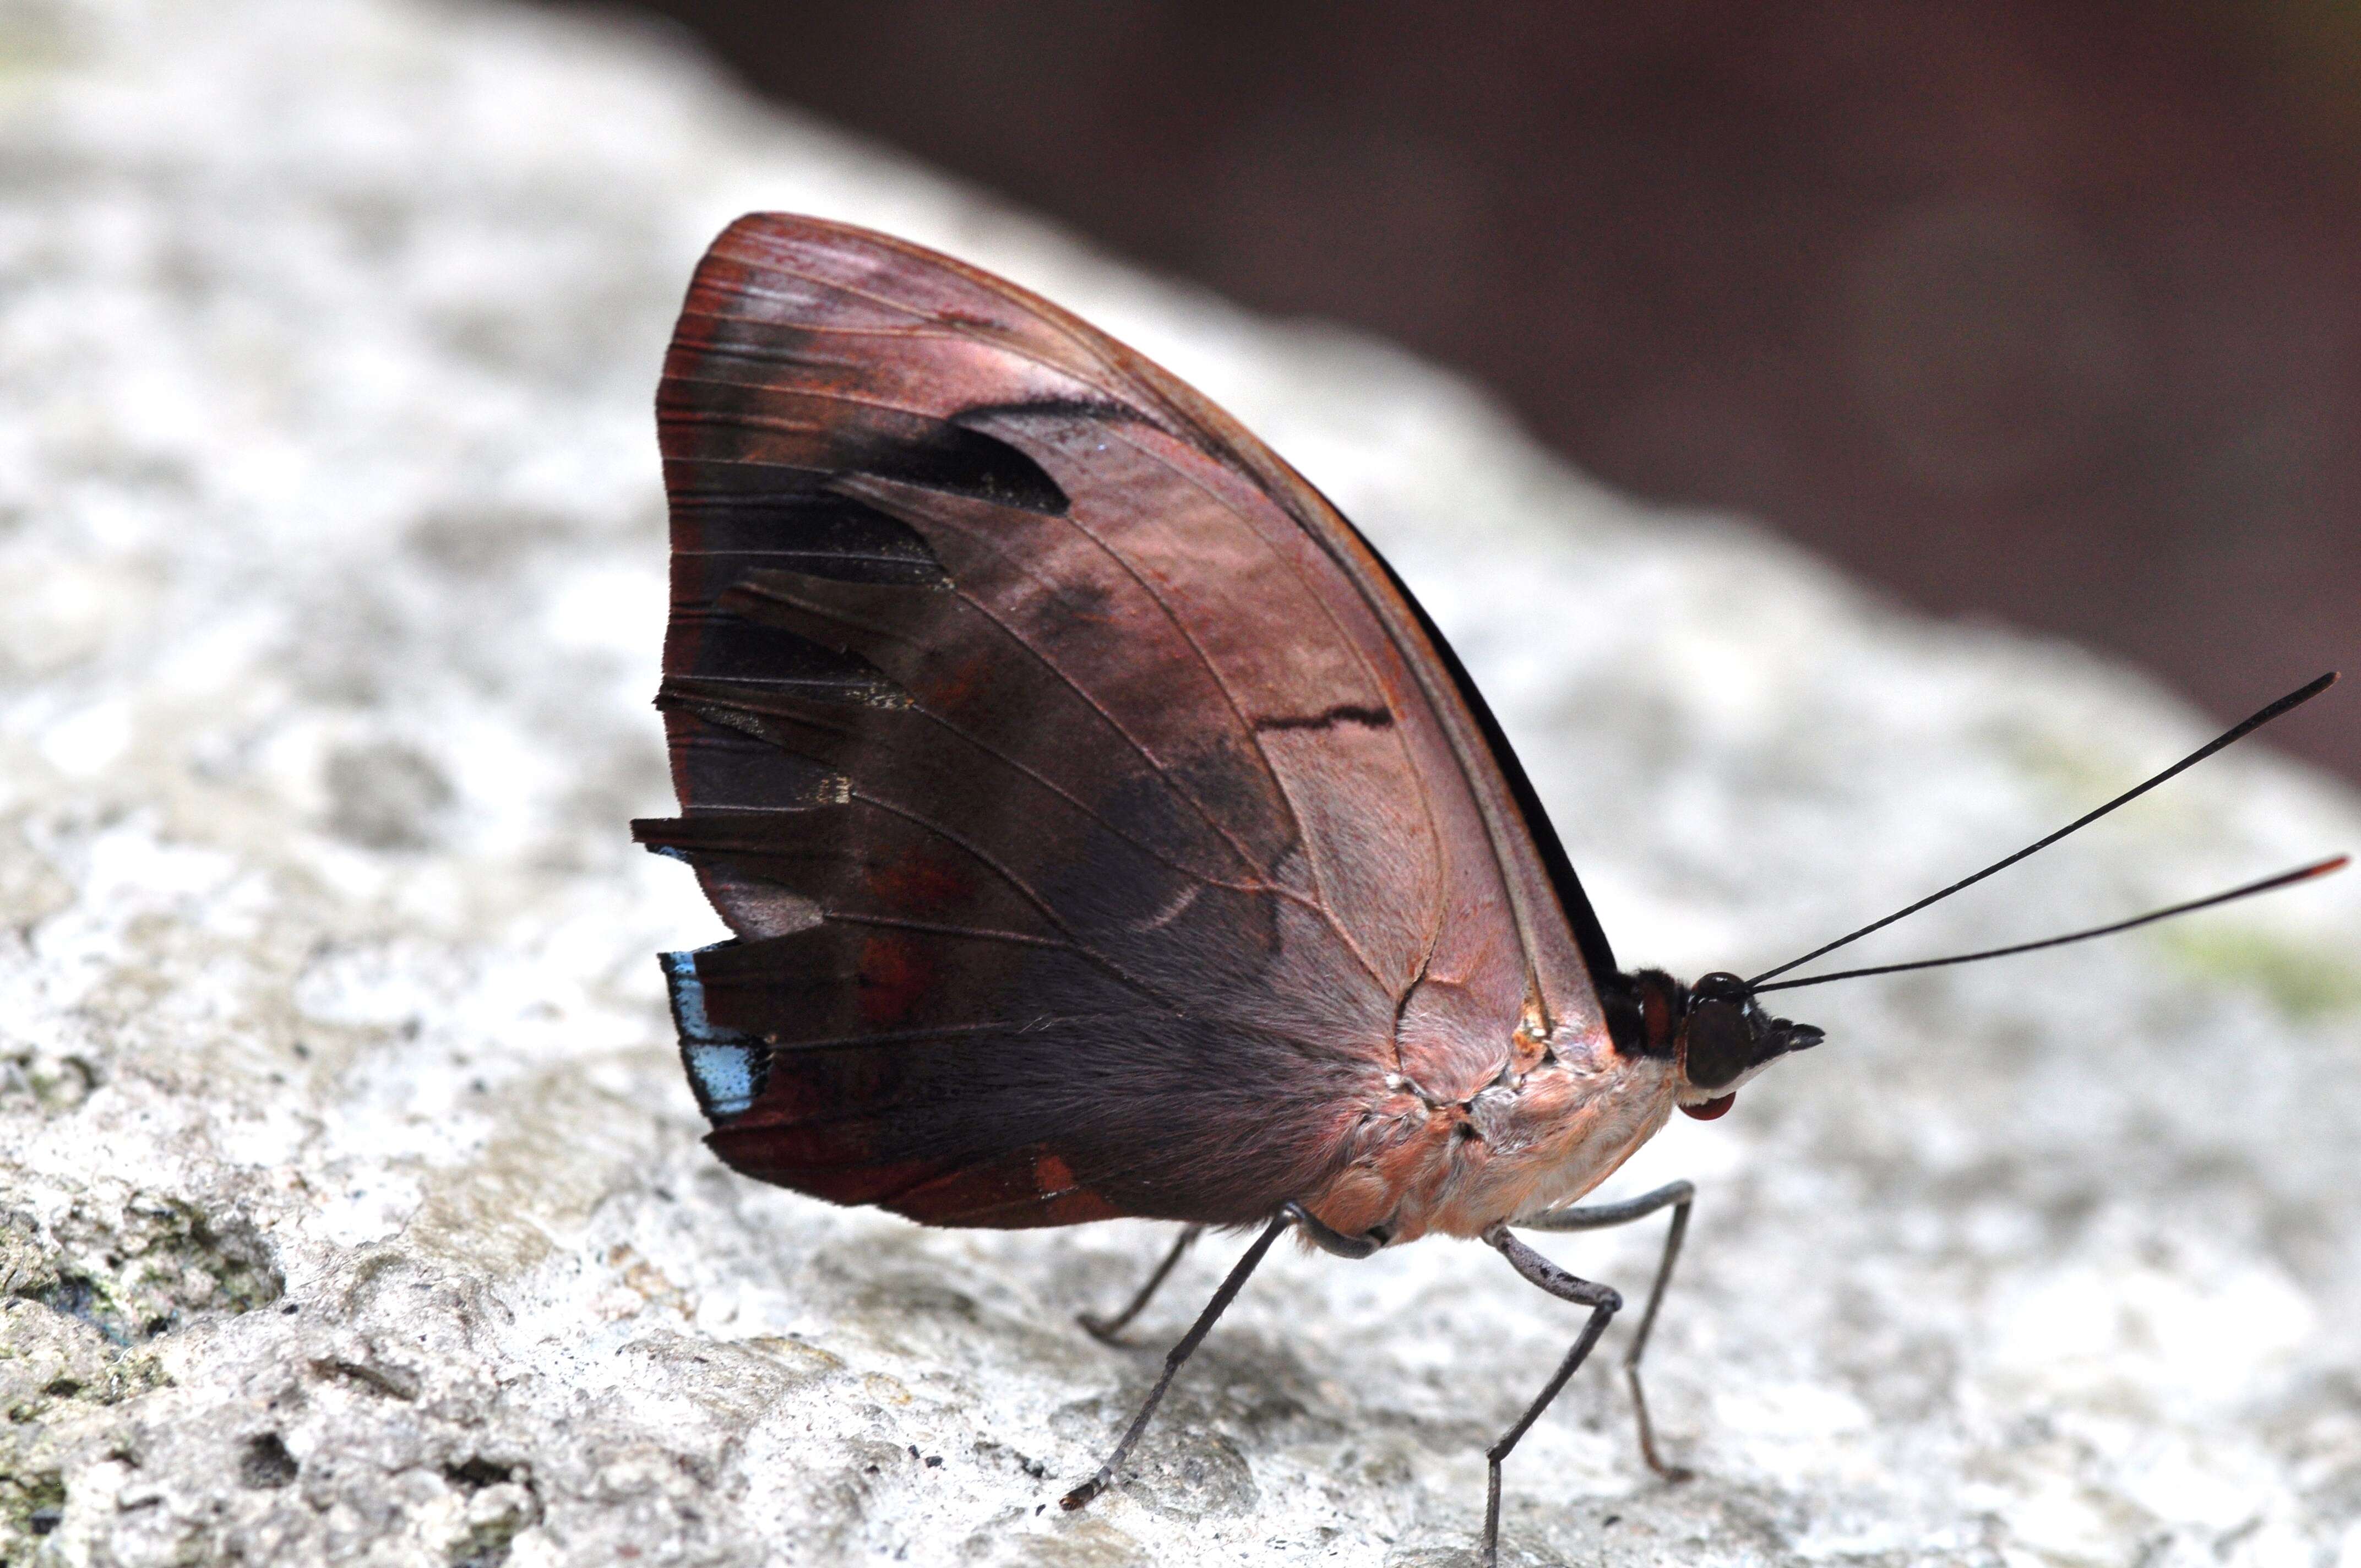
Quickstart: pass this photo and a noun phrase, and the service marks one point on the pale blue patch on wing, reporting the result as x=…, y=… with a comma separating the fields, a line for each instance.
x=726, y=1069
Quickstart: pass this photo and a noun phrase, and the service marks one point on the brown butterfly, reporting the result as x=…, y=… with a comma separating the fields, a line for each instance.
x=1104, y=828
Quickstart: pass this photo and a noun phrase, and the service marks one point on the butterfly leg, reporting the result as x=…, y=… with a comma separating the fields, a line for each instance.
x=1105, y=1330
x=1175, y=1356
x=1603, y=1303
x=1675, y=1196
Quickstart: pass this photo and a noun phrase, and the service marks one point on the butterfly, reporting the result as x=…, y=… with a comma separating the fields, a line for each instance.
x=1103, y=829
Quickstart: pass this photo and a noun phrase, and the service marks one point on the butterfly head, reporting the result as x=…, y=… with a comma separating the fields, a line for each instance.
x=1715, y=1033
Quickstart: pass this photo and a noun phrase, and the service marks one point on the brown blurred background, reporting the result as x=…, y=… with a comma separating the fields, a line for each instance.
x=2047, y=311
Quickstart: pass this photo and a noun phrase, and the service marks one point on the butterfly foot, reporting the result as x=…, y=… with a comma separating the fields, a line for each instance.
x=1081, y=1496
x=1108, y=1332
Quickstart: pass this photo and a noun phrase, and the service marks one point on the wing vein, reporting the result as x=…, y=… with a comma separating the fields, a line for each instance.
x=1139, y=747
x=1081, y=947
x=945, y=929
x=1319, y=902
x=948, y=1031
x=1426, y=805
x=1425, y=801
x=1153, y=853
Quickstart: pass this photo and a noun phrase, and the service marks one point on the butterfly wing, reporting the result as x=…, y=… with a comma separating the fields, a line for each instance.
x=1100, y=824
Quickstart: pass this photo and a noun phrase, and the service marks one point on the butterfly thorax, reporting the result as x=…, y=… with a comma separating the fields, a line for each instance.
x=1545, y=1129
x=1549, y=1116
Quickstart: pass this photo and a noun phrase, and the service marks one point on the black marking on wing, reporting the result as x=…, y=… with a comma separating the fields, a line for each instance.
x=733, y=771
x=730, y=525
x=747, y=652
x=965, y=461
x=1343, y=713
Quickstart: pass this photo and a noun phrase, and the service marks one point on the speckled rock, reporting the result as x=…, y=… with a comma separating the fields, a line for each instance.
x=352, y=1209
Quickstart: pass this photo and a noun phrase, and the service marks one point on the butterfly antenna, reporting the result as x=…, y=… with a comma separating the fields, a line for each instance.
x=2237, y=731
x=2285, y=879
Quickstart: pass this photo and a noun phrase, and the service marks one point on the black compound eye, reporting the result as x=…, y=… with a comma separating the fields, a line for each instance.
x=1719, y=986
x=1720, y=1044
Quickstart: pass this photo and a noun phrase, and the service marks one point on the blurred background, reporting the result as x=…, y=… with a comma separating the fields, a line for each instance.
x=2043, y=311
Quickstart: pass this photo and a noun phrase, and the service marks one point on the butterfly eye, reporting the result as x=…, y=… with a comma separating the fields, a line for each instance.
x=1718, y=1044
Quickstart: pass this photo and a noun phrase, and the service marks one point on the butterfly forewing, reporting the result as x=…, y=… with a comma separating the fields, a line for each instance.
x=1099, y=827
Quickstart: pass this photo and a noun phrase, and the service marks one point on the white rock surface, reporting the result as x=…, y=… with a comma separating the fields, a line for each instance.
x=351, y=1205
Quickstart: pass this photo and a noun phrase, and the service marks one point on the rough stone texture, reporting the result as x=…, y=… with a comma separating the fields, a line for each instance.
x=351, y=1206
